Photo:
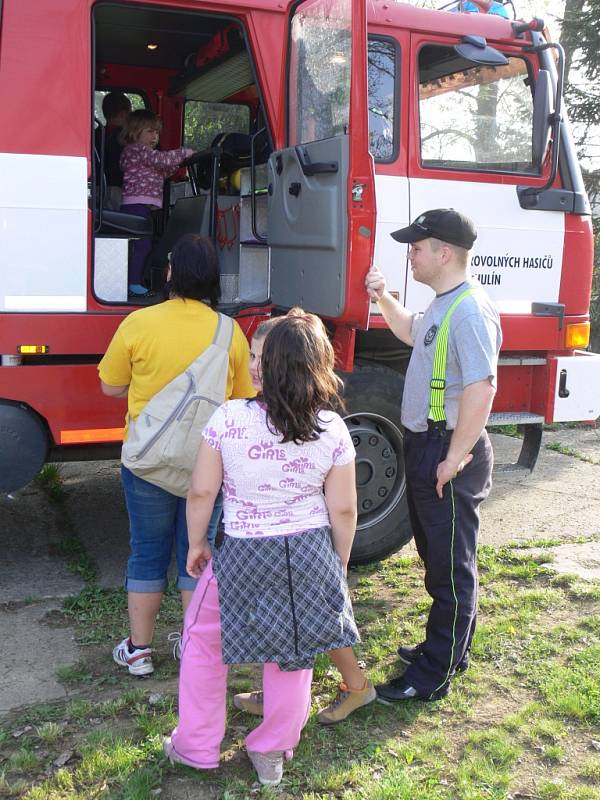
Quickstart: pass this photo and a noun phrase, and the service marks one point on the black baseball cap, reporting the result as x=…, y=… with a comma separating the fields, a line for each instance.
x=445, y=224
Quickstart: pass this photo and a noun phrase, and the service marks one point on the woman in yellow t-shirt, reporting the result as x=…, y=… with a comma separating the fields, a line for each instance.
x=151, y=347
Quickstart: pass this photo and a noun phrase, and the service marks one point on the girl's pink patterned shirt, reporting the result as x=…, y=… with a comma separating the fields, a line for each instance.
x=144, y=172
x=271, y=488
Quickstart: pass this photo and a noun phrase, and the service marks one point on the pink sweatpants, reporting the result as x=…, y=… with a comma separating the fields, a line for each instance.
x=203, y=685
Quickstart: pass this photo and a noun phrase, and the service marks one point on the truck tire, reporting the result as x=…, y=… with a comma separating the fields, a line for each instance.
x=373, y=396
x=23, y=445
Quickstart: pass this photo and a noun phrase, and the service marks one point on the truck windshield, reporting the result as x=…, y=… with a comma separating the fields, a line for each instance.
x=319, y=78
x=203, y=121
x=473, y=117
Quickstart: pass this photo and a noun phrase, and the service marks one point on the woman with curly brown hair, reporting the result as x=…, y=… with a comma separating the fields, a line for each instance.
x=275, y=591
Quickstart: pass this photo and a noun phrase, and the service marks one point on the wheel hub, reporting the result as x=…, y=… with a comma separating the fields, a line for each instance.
x=379, y=466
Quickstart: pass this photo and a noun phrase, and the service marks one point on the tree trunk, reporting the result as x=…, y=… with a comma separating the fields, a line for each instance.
x=569, y=38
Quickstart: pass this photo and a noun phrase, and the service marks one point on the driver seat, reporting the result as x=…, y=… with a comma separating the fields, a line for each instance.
x=189, y=215
x=117, y=222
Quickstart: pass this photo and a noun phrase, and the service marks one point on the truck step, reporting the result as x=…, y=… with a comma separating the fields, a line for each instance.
x=514, y=418
x=532, y=438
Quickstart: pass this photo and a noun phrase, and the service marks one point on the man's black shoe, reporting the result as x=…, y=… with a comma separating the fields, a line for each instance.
x=397, y=690
x=410, y=654
x=463, y=665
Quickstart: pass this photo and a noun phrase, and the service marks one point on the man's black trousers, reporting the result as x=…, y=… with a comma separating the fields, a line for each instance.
x=445, y=532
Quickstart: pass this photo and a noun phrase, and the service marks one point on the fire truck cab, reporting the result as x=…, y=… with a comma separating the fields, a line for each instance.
x=319, y=126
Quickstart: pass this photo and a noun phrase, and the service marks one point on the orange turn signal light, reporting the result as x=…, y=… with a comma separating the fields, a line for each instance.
x=577, y=335
x=32, y=349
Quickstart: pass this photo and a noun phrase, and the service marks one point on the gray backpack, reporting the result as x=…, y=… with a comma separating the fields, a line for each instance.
x=162, y=443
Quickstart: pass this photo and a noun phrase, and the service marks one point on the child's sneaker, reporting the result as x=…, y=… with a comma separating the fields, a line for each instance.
x=138, y=661
x=250, y=702
x=175, y=637
x=137, y=289
x=346, y=701
x=176, y=758
x=268, y=766
x=253, y=703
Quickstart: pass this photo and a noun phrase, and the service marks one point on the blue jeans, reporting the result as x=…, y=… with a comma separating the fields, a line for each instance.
x=156, y=522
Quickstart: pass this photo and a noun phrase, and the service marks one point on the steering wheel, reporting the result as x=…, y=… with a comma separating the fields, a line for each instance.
x=197, y=158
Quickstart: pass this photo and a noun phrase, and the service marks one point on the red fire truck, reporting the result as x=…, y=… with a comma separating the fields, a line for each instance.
x=347, y=120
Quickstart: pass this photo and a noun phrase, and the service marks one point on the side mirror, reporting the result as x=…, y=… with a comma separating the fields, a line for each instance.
x=477, y=50
x=542, y=109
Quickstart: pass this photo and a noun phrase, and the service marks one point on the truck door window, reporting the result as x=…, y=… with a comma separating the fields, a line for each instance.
x=320, y=37
x=382, y=98
x=473, y=117
x=203, y=121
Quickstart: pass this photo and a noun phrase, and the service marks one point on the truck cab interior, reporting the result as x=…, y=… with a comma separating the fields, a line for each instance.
x=194, y=71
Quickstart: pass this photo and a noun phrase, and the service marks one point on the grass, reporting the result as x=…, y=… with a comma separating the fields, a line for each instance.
x=519, y=722
x=591, y=769
x=547, y=730
x=50, y=479
x=565, y=450
x=78, y=561
x=23, y=759
x=571, y=688
x=506, y=430
x=49, y=732
x=555, y=446
x=73, y=674
x=100, y=613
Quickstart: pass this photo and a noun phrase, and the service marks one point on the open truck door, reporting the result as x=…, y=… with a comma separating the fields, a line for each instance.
x=322, y=234
x=321, y=219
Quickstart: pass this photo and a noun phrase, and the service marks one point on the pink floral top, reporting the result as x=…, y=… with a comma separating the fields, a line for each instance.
x=144, y=172
x=270, y=488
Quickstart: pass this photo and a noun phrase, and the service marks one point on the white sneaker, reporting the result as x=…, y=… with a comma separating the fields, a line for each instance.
x=173, y=755
x=175, y=637
x=138, y=661
x=268, y=766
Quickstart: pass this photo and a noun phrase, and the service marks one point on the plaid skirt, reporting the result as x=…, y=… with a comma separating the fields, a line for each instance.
x=283, y=599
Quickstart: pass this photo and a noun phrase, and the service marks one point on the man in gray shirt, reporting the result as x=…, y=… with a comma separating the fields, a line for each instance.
x=448, y=394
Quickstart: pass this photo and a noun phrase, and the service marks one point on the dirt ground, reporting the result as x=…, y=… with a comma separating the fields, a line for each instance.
x=559, y=501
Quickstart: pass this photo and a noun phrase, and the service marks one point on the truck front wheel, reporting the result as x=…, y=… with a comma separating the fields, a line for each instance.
x=23, y=445
x=373, y=396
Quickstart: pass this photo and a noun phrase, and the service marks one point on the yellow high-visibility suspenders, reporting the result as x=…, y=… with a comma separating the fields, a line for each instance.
x=437, y=412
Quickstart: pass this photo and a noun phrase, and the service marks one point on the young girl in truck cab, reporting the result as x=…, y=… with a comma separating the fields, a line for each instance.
x=144, y=171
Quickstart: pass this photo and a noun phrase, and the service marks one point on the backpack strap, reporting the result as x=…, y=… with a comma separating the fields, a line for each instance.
x=437, y=410
x=223, y=332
